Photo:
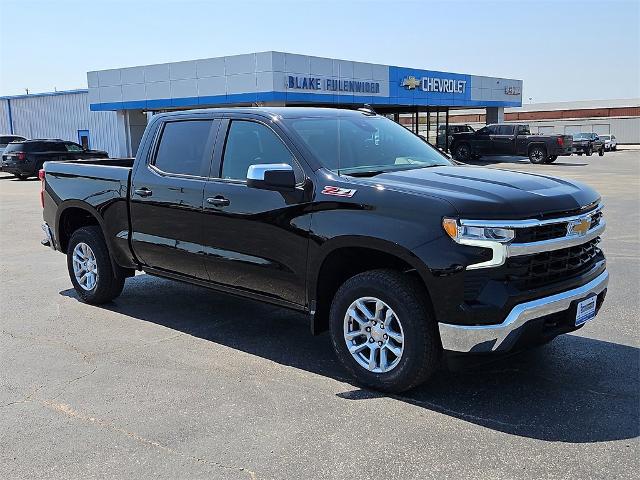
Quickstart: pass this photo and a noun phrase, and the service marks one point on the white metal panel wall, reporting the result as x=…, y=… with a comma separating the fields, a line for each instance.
x=4, y=117
x=61, y=116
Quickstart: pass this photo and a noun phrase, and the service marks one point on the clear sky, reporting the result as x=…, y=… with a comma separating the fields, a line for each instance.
x=563, y=50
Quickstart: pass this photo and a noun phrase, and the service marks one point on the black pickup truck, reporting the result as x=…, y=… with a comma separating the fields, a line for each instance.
x=510, y=139
x=378, y=237
x=588, y=143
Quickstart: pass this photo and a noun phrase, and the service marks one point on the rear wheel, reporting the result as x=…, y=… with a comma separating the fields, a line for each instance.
x=21, y=177
x=462, y=152
x=537, y=154
x=90, y=268
x=551, y=159
x=601, y=151
x=382, y=331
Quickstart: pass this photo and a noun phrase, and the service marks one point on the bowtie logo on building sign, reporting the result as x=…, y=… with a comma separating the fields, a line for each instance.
x=410, y=83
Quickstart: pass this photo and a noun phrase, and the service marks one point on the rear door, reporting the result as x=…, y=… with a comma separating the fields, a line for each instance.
x=255, y=240
x=503, y=142
x=166, y=196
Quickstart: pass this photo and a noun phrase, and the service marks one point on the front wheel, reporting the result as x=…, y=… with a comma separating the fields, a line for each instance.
x=537, y=154
x=462, y=152
x=601, y=152
x=90, y=268
x=382, y=331
x=589, y=151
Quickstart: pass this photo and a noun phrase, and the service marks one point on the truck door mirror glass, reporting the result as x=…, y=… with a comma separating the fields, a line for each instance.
x=271, y=176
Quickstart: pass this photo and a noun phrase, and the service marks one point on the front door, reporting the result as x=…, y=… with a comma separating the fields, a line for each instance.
x=482, y=140
x=166, y=198
x=255, y=240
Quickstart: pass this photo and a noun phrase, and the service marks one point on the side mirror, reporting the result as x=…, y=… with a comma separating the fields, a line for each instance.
x=271, y=176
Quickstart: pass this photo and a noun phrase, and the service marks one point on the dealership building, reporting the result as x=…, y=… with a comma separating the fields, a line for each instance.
x=113, y=112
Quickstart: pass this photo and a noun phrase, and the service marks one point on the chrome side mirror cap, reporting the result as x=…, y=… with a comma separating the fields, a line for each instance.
x=271, y=176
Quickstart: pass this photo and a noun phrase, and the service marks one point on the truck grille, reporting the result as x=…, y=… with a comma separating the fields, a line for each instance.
x=550, y=231
x=531, y=271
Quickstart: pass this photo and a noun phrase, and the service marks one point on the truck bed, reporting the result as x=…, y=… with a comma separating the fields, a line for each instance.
x=97, y=184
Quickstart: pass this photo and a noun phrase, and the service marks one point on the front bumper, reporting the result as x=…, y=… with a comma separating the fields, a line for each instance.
x=504, y=336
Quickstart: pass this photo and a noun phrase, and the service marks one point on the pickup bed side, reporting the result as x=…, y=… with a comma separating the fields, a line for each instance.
x=90, y=192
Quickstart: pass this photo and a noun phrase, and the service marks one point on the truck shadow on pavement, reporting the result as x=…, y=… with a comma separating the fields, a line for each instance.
x=575, y=389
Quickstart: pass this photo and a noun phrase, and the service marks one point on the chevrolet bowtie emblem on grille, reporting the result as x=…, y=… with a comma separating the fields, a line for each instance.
x=579, y=227
x=410, y=82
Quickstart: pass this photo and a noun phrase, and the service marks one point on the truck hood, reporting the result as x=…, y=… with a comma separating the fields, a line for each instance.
x=487, y=193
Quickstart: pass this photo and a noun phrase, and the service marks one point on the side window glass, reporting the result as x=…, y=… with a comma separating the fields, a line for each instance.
x=505, y=130
x=183, y=147
x=72, y=147
x=250, y=143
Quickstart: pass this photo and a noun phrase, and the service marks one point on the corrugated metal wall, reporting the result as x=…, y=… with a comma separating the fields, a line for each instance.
x=61, y=116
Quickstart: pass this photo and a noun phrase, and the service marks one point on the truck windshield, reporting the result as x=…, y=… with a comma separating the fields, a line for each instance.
x=355, y=145
x=580, y=136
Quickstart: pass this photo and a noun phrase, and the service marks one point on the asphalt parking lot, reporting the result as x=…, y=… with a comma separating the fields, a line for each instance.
x=174, y=381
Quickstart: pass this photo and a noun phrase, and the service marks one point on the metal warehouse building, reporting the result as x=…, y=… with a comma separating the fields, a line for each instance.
x=113, y=112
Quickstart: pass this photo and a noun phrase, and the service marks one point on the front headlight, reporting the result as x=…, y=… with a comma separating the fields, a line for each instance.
x=460, y=232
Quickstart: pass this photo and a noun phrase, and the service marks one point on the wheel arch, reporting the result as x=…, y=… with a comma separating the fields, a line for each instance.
x=344, y=257
x=74, y=214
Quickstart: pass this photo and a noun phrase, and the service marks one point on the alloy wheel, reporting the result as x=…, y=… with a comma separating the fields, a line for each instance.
x=373, y=334
x=85, y=267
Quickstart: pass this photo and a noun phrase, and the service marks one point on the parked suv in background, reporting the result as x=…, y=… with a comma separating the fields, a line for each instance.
x=7, y=139
x=25, y=158
x=588, y=143
x=610, y=142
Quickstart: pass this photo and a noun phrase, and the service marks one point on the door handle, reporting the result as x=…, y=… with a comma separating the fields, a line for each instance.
x=218, y=201
x=143, y=192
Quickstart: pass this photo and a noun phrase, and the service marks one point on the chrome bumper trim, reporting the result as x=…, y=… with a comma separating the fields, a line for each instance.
x=48, y=241
x=501, y=337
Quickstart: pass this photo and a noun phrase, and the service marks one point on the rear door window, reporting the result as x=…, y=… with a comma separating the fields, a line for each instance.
x=505, y=129
x=73, y=147
x=185, y=147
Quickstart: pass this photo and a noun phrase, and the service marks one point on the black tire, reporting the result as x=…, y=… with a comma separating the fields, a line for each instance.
x=21, y=177
x=601, y=152
x=614, y=148
x=538, y=154
x=579, y=154
x=109, y=283
x=551, y=159
x=589, y=151
x=422, y=349
x=462, y=152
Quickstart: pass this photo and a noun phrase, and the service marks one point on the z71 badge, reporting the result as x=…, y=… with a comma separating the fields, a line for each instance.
x=338, y=192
